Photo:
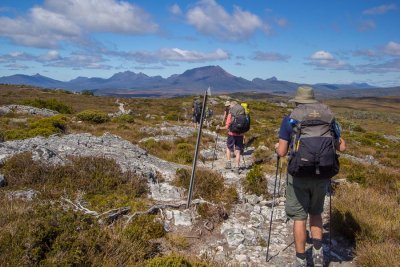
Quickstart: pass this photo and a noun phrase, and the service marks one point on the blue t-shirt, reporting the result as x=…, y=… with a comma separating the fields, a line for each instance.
x=286, y=129
x=287, y=124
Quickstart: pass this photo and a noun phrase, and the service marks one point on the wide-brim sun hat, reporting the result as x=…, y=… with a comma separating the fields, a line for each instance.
x=227, y=104
x=304, y=95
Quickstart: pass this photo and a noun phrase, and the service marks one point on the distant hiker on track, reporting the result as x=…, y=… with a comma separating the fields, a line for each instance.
x=226, y=111
x=196, y=112
x=208, y=116
x=311, y=136
x=234, y=141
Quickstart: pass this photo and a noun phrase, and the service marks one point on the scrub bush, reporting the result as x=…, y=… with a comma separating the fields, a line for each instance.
x=94, y=116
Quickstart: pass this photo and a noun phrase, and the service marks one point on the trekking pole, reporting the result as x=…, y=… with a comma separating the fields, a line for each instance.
x=280, y=179
x=273, y=204
x=196, y=151
x=330, y=219
x=215, y=148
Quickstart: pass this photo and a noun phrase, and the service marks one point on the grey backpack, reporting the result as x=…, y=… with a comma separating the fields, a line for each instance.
x=240, y=120
x=312, y=152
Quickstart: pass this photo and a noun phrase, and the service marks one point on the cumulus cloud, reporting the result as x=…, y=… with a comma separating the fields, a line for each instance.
x=177, y=54
x=382, y=59
x=378, y=10
x=392, y=48
x=268, y=56
x=80, y=60
x=392, y=65
x=322, y=55
x=56, y=21
x=105, y=15
x=175, y=10
x=208, y=17
x=16, y=66
x=325, y=60
x=97, y=60
x=15, y=56
x=50, y=56
x=367, y=53
x=53, y=59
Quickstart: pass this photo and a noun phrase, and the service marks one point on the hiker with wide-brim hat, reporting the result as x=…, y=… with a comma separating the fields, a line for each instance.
x=304, y=95
x=305, y=194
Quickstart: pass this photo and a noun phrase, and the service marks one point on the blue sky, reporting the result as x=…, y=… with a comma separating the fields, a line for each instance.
x=299, y=41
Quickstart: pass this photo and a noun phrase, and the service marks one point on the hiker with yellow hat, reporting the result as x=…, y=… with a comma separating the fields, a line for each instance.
x=311, y=135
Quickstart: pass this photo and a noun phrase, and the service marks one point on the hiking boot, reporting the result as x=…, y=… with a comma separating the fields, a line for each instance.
x=228, y=165
x=318, y=257
x=299, y=263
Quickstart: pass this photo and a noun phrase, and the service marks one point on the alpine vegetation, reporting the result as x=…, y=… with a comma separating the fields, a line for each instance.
x=100, y=180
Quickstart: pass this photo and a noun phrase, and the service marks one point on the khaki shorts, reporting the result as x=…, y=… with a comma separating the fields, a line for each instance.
x=305, y=196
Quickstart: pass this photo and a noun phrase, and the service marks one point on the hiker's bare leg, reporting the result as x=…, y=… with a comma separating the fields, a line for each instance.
x=228, y=154
x=316, y=226
x=237, y=154
x=300, y=235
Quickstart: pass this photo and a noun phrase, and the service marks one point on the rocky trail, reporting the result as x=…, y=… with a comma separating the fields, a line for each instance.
x=239, y=241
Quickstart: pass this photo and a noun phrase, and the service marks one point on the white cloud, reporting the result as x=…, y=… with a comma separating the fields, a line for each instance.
x=175, y=10
x=322, y=55
x=16, y=56
x=50, y=56
x=384, y=67
x=78, y=61
x=176, y=54
x=54, y=59
x=268, y=56
x=380, y=9
x=367, y=53
x=392, y=48
x=105, y=15
x=56, y=21
x=16, y=66
x=325, y=60
x=212, y=19
x=40, y=28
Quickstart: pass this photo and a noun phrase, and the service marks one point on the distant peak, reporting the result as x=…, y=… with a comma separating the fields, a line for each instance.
x=273, y=78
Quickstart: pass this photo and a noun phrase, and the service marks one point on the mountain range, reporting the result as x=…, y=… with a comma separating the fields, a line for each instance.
x=192, y=81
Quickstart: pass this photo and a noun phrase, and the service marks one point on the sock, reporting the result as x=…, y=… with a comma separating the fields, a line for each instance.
x=317, y=243
x=301, y=255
